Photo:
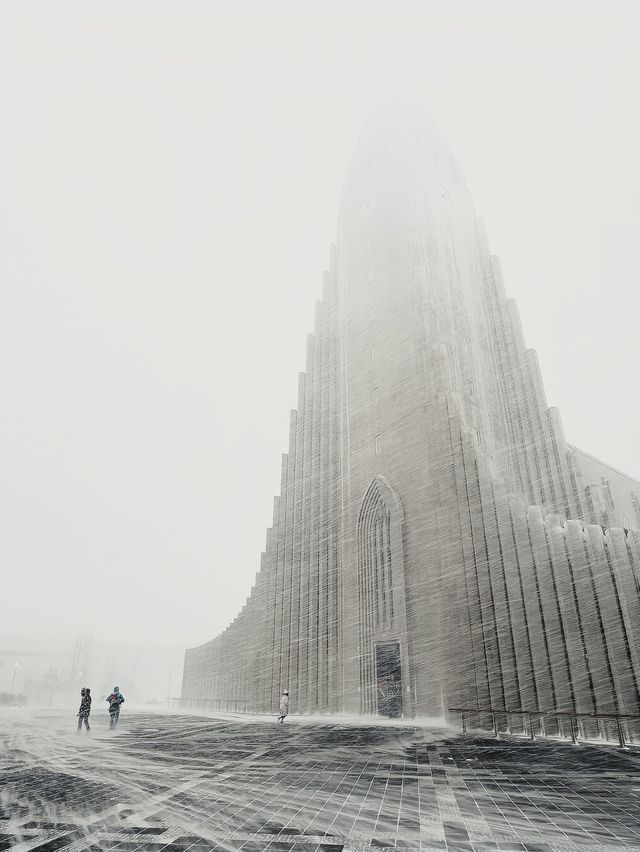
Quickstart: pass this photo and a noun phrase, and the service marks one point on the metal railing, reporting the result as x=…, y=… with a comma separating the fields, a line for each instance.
x=576, y=722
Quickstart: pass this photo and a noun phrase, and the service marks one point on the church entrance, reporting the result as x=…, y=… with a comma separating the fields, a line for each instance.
x=382, y=641
x=389, y=680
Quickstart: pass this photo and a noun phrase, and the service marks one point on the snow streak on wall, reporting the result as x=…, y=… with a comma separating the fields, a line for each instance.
x=436, y=541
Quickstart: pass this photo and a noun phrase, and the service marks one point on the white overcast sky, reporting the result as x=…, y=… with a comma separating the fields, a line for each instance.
x=169, y=184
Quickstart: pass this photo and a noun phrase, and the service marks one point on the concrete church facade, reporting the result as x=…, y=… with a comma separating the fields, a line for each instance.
x=436, y=541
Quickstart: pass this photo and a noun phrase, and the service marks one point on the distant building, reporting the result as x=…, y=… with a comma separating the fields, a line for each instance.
x=31, y=667
x=436, y=541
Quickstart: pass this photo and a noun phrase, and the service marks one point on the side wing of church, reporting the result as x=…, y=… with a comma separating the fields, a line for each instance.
x=436, y=541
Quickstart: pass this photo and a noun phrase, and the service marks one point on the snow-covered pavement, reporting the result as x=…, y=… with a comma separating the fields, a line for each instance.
x=176, y=783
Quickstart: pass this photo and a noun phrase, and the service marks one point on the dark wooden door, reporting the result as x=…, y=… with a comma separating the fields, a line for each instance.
x=389, y=679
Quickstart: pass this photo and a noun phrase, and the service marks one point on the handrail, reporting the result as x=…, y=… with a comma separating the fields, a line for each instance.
x=572, y=715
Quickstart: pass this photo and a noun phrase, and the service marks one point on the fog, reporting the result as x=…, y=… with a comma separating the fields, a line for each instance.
x=169, y=186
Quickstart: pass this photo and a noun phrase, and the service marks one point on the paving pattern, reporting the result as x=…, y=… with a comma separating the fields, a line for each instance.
x=171, y=783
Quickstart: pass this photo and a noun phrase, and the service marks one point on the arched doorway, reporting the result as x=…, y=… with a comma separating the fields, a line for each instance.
x=383, y=647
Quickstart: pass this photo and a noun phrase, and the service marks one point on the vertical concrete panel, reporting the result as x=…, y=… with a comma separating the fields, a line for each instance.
x=527, y=697
x=629, y=601
x=280, y=529
x=302, y=544
x=323, y=471
x=314, y=537
x=493, y=591
x=549, y=611
x=608, y=614
x=480, y=575
x=334, y=666
x=295, y=640
x=542, y=678
x=502, y=611
x=591, y=629
x=267, y=697
x=582, y=688
x=472, y=666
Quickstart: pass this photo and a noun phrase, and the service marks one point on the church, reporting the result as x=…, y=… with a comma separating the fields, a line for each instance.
x=436, y=542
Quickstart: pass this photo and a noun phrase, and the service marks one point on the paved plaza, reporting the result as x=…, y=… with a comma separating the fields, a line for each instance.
x=176, y=783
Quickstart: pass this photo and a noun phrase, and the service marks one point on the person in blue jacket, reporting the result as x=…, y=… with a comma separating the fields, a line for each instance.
x=115, y=700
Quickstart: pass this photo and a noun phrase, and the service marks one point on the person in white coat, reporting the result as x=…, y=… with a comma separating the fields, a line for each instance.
x=284, y=706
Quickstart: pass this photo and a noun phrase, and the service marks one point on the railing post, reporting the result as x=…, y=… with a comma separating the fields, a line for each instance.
x=494, y=717
x=575, y=720
x=574, y=733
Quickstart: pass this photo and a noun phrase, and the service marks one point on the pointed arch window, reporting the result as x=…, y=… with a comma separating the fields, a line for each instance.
x=375, y=570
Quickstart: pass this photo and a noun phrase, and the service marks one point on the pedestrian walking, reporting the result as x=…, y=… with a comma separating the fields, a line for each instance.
x=284, y=706
x=85, y=708
x=115, y=700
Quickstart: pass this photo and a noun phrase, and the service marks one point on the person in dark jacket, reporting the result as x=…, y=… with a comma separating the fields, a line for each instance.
x=115, y=700
x=85, y=708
